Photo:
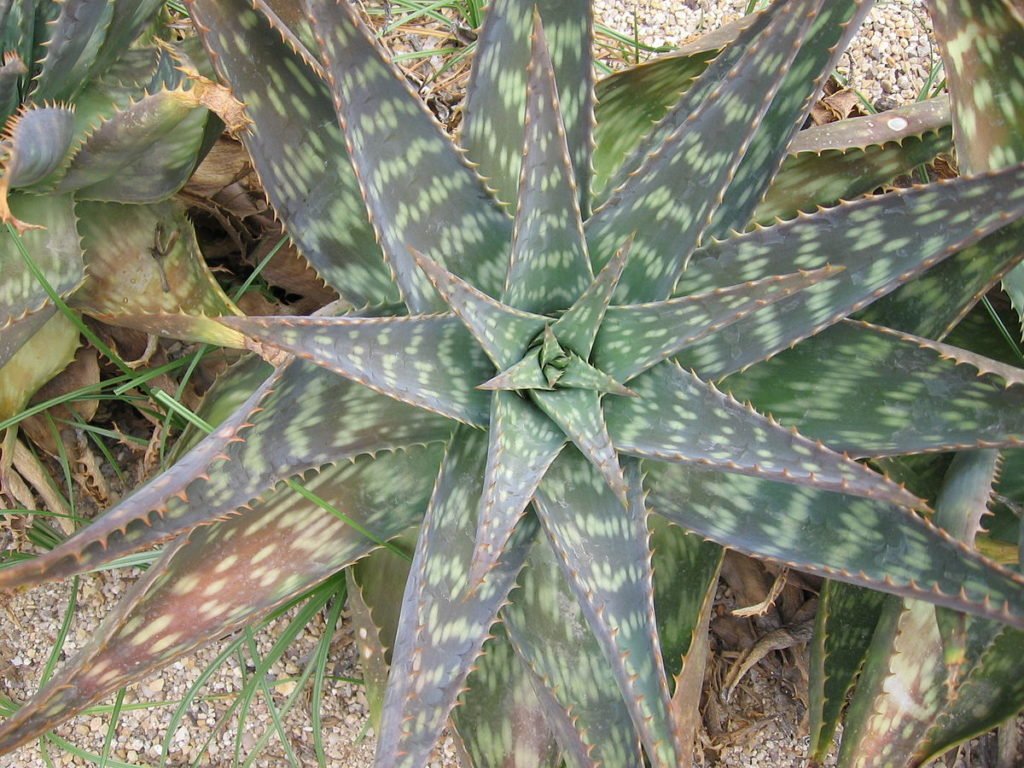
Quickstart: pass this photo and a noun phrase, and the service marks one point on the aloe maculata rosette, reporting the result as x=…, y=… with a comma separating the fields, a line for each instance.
x=538, y=375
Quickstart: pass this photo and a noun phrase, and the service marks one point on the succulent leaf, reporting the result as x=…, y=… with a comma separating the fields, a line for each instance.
x=677, y=417
x=878, y=392
x=72, y=45
x=686, y=569
x=546, y=626
x=502, y=722
x=502, y=332
x=842, y=160
x=370, y=351
x=277, y=432
x=467, y=233
x=980, y=43
x=847, y=617
x=939, y=661
x=12, y=70
x=143, y=153
x=578, y=414
x=632, y=101
x=666, y=203
x=497, y=95
x=522, y=445
x=145, y=270
x=578, y=327
x=636, y=337
x=129, y=19
x=35, y=143
x=896, y=240
x=223, y=576
x=889, y=548
x=307, y=174
x=445, y=615
x=589, y=538
x=549, y=267
x=46, y=353
x=932, y=305
x=52, y=242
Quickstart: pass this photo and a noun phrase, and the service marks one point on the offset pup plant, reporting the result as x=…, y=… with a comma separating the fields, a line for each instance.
x=530, y=375
x=101, y=128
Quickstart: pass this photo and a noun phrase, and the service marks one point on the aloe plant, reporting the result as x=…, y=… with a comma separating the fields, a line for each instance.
x=101, y=128
x=534, y=377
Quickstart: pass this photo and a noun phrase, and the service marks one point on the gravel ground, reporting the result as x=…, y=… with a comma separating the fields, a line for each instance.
x=894, y=43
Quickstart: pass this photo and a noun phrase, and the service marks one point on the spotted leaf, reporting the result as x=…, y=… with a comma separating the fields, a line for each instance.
x=670, y=200
x=522, y=445
x=856, y=540
x=306, y=173
x=493, y=122
x=278, y=431
x=677, y=417
x=227, y=575
x=896, y=240
x=549, y=267
x=602, y=549
x=372, y=352
x=575, y=683
x=409, y=172
x=878, y=392
x=445, y=615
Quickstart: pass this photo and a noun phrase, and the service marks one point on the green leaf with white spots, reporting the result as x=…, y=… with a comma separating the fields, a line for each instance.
x=897, y=238
x=578, y=327
x=503, y=332
x=522, y=444
x=445, y=615
x=549, y=267
x=832, y=28
x=933, y=304
x=679, y=418
x=372, y=351
x=227, y=575
x=851, y=157
x=636, y=337
x=877, y=392
x=53, y=244
x=577, y=412
x=306, y=173
x=578, y=690
x=670, y=200
x=929, y=680
x=493, y=118
x=420, y=192
x=602, y=549
x=631, y=101
x=278, y=432
x=846, y=620
x=856, y=540
x=501, y=721
x=980, y=45
x=72, y=45
x=686, y=569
